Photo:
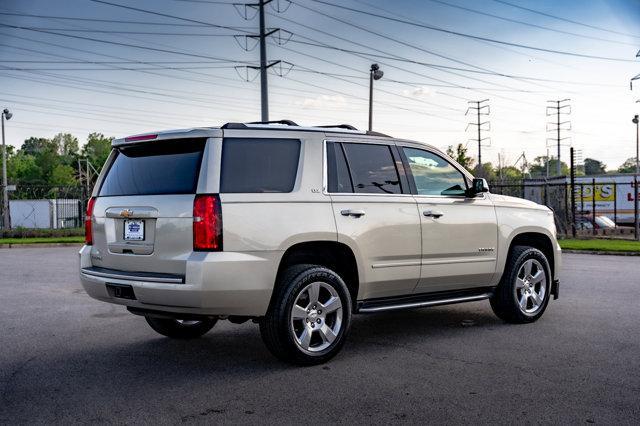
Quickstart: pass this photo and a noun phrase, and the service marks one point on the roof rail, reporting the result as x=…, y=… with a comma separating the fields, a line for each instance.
x=372, y=133
x=245, y=125
x=337, y=126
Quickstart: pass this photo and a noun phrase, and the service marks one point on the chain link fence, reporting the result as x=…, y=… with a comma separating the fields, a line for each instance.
x=46, y=207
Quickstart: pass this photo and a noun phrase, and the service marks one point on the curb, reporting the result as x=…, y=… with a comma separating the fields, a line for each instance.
x=603, y=253
x=39, y=245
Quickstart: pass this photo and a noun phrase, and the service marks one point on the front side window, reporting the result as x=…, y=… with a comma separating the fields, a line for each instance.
x=254, y=165
x=373, y=169
x=433, y=174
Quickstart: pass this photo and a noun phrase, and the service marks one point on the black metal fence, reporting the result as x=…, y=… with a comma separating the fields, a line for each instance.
x=595, y=206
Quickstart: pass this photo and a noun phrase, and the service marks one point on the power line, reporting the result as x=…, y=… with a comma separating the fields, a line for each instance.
x=166, y=15
x=457, y=33
x=529, y=24
x=175, y=52
x=115, y=21
x=566, y=19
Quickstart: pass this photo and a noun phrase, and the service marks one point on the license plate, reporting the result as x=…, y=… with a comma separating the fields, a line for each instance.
x=134, y=230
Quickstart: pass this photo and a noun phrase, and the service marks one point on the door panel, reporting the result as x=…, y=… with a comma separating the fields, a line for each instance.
x=459, y=233
x=387, y=237
x=458, y=247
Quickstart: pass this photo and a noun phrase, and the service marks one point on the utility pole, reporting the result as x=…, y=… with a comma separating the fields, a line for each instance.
x=481, y=108
x=265, y=64
x=557, y=108
x=6, y=218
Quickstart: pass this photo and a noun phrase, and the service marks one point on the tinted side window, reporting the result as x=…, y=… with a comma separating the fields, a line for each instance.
x=152, y=168
x=259, y=165
x=373, y=169
x=338, y=176
x=433, y=174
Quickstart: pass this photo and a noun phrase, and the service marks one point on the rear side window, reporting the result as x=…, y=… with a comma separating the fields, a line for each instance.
x=373, y=168
x=259, y=165
x=339, y=179
x=164, y=167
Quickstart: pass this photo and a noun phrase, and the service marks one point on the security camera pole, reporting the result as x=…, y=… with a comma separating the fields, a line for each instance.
x=374, y=74
x=5, y=190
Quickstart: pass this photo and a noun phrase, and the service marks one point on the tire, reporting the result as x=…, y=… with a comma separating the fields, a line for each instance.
x=525, y=288
x=179, y=329
x=309, y=316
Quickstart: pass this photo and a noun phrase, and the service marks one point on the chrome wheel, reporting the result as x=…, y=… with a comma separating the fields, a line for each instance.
x=316, y=317
x=531, y=287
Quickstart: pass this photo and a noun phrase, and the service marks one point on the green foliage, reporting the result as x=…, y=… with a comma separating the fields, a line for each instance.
x=97, y=149
x=594, y=167
x=485, y=171
x=62, y=175
x=41, y=161
x=539, y=167
x=628, y=166
x=460, y=155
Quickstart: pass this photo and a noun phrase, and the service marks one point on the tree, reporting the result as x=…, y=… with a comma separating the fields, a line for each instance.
x=460, y=155
x=509, y=173
x=66, y=144
x=539, y=167
x=97, y=149
x=62, y=175
x=485, y=171
x=594, y=167
x=628, y=166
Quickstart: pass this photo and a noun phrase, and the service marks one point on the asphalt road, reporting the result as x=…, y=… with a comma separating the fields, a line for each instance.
x=65, y=358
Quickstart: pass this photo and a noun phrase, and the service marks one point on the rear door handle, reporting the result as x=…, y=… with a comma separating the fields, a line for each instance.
x=432, y=213
x=351, y=212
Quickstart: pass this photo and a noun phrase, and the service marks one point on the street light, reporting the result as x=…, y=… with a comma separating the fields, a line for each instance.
x=636, y=220
x=6, y=114
x=375, y=73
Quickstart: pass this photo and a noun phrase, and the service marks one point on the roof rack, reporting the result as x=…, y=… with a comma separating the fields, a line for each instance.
x=337, y=126
x=244, y=125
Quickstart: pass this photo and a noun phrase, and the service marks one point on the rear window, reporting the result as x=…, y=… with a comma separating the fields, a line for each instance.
x=259, y=165
x=154, y=168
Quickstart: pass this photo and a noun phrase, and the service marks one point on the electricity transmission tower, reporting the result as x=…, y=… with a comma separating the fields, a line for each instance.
x=480, y=108
x=280, y=36
x=557, y=109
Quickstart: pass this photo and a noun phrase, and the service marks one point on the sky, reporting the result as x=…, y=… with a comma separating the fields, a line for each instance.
x=120, y=71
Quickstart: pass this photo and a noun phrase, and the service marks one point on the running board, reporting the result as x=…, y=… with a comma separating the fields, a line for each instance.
x=423, y=300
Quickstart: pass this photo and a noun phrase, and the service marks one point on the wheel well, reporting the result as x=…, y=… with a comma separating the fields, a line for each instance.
x=536, y=240
x=333, y=255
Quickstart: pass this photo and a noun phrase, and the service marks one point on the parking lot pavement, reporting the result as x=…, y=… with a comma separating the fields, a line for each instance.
x=67, y=358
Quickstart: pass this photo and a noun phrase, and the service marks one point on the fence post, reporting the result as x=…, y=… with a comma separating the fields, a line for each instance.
x=593, y=205
x=615, y=203
x=635, y=207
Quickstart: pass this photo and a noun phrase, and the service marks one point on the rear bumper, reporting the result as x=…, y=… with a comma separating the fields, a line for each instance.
x=220, y=283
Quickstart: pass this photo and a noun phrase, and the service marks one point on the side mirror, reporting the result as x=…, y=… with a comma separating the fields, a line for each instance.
x=478, y=186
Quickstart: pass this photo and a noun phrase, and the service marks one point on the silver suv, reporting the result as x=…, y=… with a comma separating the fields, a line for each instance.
x=299, y=228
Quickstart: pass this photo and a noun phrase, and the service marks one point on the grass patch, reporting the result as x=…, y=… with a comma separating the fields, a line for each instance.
x=601, y=245
x=42, y=240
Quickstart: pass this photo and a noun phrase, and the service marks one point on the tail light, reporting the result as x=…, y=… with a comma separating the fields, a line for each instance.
x=88, y=234
x=207, y=223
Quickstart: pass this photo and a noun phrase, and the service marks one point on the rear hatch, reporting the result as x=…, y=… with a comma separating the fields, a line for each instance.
x=143, y=213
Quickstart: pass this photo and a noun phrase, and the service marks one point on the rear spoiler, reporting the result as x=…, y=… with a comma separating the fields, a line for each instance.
x=167, y=135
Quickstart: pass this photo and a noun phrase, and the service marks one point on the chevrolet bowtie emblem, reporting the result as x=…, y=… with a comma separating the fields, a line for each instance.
x=126, y=213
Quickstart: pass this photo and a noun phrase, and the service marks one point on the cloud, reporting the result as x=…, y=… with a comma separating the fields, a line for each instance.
x=419, y=92
x=322, y=101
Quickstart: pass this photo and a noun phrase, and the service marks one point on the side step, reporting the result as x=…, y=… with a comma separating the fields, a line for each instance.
x=423, y=300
